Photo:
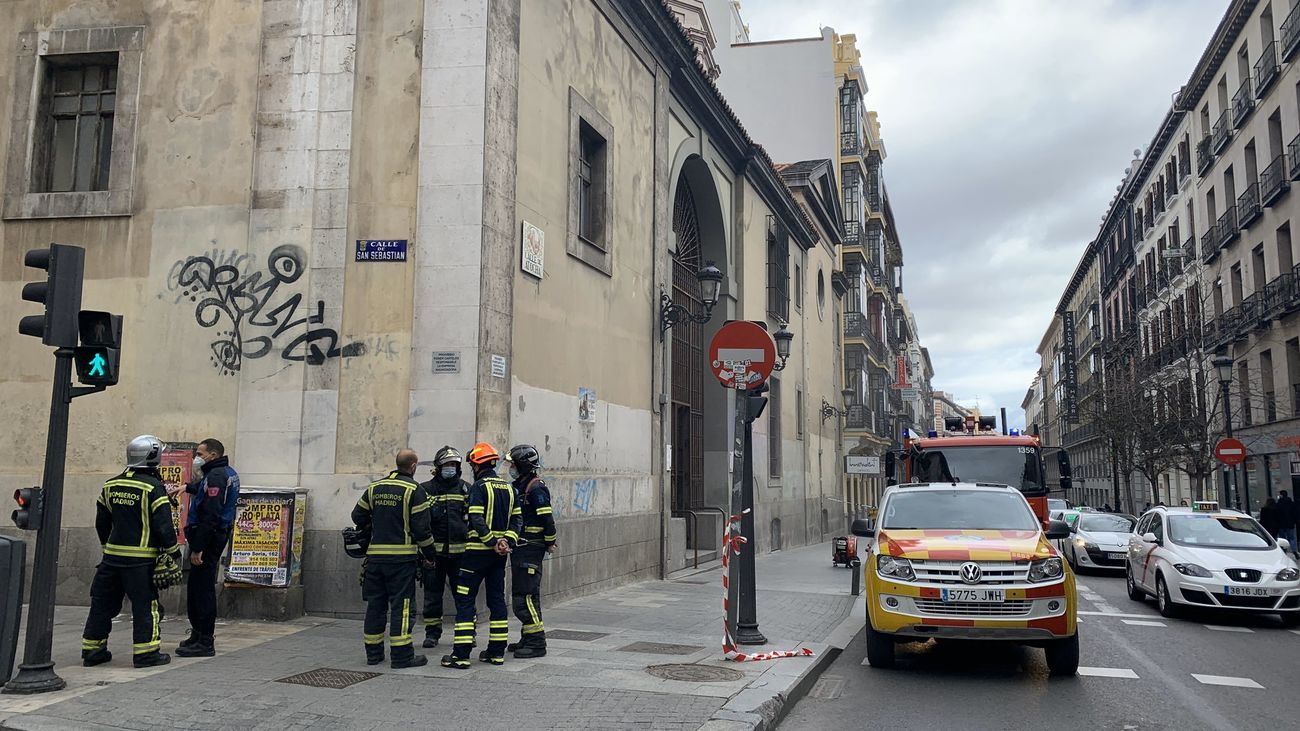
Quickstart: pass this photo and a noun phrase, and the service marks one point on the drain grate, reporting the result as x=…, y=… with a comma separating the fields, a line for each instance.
x=660, y=648
x=574, y=634
x=328, y=678
x=695, y=673
x=828, y=688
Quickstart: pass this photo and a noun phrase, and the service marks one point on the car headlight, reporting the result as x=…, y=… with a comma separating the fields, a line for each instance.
x=895, y=568
x=1288, y=575
x=1191, y=569
x=1085, y=544
x=1045, y=569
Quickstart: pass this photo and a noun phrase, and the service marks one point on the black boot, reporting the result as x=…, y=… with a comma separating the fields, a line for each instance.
x=91, y=658
x=151, y=659
x=514, y=646
x=202, y=646
x=192, y=639
x=533, y=645
x=431, y=639
x=374, y=654
x=405, y=657
x=451, y=661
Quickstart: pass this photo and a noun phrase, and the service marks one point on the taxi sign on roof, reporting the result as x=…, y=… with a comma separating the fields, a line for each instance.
x=1205, y=506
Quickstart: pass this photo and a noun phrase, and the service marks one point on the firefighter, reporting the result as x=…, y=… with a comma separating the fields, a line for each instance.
x=133, y=518
x=395, y=512
x=494, y=523
x=447, y=492
x=526, y=562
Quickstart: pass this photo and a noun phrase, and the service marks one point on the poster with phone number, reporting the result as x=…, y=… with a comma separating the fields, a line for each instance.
x=177, y=470
x=260, y=544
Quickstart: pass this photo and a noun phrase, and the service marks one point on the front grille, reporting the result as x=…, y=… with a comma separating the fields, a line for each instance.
x=1245, y=576
x=1009, y=608
x=1099, y=558
x=1252, y=602
x=1196, y=596
x=949, y=572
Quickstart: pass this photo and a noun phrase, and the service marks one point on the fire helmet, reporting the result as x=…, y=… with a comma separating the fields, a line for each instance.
x=144, y=451
x=445, y=455
x=525, y=458
x=483, y=454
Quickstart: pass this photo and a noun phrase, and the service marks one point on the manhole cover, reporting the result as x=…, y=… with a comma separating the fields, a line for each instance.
x=660, y=648
x=574, y=634
x=828, y=688
x=328, y=678
x=695, y=673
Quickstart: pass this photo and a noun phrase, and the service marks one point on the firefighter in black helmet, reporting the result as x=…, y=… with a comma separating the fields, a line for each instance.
x=395, y=510
x=526, y=562
x=494, y=523
x=447, y=493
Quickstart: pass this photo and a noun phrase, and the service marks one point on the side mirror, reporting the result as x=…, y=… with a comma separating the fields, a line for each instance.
x=1058, y=529
x=1150, y=537
x=889, y=465
x=1074, y=528
x=863, y=528
x=1284, y=544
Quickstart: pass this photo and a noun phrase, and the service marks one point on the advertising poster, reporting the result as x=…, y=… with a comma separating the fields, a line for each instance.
x=260, y=544
x=586, y=405
x=177, y=470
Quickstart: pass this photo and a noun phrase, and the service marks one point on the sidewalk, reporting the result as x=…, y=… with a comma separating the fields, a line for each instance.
x=643, y=656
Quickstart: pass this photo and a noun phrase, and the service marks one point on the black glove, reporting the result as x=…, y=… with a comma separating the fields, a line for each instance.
x=166, y=573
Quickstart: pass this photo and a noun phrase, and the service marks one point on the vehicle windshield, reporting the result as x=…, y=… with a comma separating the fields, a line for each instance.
x=958, y=509
x=1007, y=464
x=1218, y=531
x=1107, y=523
x=1057, y=504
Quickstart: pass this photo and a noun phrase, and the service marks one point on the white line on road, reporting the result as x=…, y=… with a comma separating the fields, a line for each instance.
x=1227, y=680
x=1108, y=672
x=1114, y=614
x=1144, y=623
x=1221, y=628
x=1295, y=631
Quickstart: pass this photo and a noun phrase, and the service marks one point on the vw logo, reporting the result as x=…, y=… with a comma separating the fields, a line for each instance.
x=971, y=572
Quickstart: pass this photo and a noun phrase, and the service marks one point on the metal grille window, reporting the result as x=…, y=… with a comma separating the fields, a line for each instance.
x=778, y=272
x=78, y=102
x=591, y=176
x=774, y=428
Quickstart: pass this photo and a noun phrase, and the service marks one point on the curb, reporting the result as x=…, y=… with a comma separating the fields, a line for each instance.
x=764, y=702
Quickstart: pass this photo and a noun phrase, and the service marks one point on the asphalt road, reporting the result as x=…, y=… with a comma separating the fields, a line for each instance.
x=1138, y=671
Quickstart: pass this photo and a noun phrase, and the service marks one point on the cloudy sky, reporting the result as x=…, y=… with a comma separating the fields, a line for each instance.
x=1008, y=124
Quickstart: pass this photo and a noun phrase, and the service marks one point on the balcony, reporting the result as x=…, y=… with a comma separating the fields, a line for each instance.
x=877, y=276
x=1243, y=103
x=852, y=233
x=857, y=326
x=850, y=143
x=1210, y=243
x=1184, y=167
x=858, y=418
x=1204, y=156
x=1273, y=181
x=1248, y=206
x=1252, y=314
x=1293, y=154
x=1228, y=228
x=1291, y=35
x=1189, y=250
x=1220, y=133
x=1281, y=296
x=1266, y=69
x=1171, y=192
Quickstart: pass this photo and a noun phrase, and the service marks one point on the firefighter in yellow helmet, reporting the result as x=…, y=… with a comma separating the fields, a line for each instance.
x=495, y=520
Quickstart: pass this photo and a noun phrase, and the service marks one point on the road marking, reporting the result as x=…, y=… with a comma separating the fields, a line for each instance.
x=1227, y=680
x=1221, y=628
x=1144, y=623
x=1114, y=614
x=1108, y=672
x=1295, y=631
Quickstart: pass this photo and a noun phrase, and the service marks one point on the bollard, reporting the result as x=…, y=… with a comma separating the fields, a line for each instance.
x=857, y=578
x=13, y=554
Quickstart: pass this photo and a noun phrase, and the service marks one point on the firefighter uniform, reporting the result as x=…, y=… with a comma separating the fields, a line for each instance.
x=448, y=520
x=395, y=511
x=526, y=563
x=133, y=517
x=494, y=514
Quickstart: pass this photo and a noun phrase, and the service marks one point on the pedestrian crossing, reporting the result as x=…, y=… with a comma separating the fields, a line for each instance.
x=1130, y=674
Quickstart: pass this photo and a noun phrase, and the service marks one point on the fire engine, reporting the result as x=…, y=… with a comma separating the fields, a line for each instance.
x=971, y=449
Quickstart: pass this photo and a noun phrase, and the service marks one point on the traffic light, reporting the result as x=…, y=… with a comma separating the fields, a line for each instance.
x=101, y=340
x=755, y=402
x=31, y=502
x=60, y=293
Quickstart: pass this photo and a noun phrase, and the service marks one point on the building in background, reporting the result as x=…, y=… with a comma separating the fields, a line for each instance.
x=946, y=407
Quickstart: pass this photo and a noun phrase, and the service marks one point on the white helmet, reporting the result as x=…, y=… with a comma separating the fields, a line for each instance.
x=144, y=451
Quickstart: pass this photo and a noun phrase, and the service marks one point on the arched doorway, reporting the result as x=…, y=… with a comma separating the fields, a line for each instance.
x=688, y=356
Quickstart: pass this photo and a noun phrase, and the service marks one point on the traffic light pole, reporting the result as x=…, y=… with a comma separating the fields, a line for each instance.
x=36, y=673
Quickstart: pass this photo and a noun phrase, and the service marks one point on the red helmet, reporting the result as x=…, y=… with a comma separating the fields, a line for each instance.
x=483, y=453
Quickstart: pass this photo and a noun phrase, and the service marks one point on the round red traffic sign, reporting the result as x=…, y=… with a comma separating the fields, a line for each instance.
x=1230, y=451
x=742, y=345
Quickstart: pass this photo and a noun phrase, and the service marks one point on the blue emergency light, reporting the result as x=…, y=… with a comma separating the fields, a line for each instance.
x=1013, y=432
x=932, y=434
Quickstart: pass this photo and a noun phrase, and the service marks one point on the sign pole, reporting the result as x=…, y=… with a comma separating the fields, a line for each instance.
x=747, y=622
x=737, y=491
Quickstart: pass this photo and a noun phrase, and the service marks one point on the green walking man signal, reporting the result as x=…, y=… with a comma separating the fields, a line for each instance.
x=97, y=365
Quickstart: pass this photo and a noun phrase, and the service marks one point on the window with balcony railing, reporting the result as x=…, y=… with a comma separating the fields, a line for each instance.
x=1228, y=229
x=1273, y=181
x=1266, y=68
x=1293, y=154
x=1243, y=102
x=1291, y=34
x=1220, y=133
x=1248, y=205
x=1204, y=155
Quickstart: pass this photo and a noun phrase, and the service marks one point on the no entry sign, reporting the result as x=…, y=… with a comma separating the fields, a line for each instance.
x=745, y=347
x=1230, y=451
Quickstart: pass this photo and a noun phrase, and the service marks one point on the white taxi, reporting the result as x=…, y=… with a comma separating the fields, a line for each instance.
x=1203, y=556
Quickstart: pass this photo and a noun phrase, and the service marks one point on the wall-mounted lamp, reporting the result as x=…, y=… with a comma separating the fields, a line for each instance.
x=828, y=411
x=671, y=313
x=782, y=338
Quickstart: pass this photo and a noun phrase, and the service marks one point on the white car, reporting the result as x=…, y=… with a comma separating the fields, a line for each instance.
x=1206, y=557
x=1099, y=541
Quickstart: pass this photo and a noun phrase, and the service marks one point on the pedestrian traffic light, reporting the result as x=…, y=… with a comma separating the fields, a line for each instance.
x=60, y=293
x=31, y=502
x=101, y=340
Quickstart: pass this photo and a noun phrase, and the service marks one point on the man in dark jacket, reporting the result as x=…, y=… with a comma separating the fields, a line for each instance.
x=526, y=562
x=207, y=530
x=1287, y=519
x=133, y=518
x=1268, y=517
x=394, y=511
x=447, y=493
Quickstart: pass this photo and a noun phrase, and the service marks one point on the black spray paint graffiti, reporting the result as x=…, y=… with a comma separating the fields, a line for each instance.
x=246, y=306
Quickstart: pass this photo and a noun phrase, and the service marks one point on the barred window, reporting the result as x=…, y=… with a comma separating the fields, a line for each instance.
x=774, y=428
x=778, y=272
x=78, y=100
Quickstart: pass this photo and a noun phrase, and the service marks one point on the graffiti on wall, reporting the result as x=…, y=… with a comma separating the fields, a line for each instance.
x=250, y=314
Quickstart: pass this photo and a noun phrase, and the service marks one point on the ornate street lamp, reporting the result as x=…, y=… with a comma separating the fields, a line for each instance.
x=1223, y=368
x=782, y=338
x=671, y=313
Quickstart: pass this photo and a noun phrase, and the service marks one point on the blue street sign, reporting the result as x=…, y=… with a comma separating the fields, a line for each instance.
x=381, y=250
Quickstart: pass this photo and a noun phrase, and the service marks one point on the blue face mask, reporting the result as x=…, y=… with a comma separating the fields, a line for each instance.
x=448, y=472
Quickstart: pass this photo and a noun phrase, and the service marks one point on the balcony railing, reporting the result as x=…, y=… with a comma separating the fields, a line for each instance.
x=1277, y=299
x=1252, y=309
x=858, y=417
x=1291, y=37
x=877, y=276
x=1204, y=155
x=1243, y=102
x=1248, y=206
x=1184, y=167
x=1266, y=69
x=850, y=143
x=1293, y=154
x=1228, y=228
x=1281, y=296
x=852, y=233
x=1273, y=181
x=1220, y=133
x=1210, y=243
x=1189, y=250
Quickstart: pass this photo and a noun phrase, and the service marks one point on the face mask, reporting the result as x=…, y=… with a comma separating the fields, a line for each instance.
x=198, y=463
x=448, y=472
x=514, y=473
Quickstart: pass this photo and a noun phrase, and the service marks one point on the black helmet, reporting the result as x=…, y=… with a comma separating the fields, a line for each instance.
x=525, y=458
x=445, y=455
x=356, y=542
